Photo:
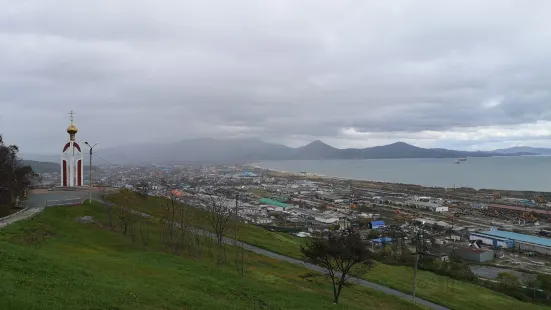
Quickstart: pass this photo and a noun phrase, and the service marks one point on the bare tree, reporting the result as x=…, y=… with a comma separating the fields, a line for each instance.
x=168, y=222
x=342, y=254
x=219, y=214
x=125, y=214
x=142, y=189
x=105, y=196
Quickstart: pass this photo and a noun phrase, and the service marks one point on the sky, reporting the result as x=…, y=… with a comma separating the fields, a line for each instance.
x=470, y=75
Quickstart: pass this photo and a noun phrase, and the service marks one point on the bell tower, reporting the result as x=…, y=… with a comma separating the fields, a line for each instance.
x=72, y=173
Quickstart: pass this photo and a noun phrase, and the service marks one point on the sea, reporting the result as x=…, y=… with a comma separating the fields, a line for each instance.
x=523, y=173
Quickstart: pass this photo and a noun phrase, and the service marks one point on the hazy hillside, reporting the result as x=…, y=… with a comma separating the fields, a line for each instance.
x=524, y=149
x=41, y=166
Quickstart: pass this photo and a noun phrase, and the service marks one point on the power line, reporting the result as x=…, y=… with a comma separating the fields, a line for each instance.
x=105, y=160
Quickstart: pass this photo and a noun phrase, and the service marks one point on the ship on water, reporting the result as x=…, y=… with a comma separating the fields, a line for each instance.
x=462, y=159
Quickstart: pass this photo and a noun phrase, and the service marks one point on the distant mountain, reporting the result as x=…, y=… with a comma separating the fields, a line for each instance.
x=209, y=150
x=41, y=166
x=524, y=149
x=316, y=150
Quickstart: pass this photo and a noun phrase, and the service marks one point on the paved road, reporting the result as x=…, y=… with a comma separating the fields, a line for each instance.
x=38, y=199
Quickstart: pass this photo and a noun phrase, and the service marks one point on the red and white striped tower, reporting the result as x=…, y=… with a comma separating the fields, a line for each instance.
x=72, y=163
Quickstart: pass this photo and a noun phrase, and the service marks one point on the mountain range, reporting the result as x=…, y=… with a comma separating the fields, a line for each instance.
x=524, y=149
x=41, y=166
x=208, y=150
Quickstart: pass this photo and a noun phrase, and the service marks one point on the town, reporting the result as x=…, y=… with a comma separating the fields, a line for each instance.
x=507, y=232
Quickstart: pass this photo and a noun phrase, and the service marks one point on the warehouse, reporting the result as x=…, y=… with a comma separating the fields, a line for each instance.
x=274, y=203
x=435, y=207
x=522, y=242
x=494, y=241
x=476, y=255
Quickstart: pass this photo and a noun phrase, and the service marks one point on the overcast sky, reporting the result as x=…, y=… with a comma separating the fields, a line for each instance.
x=456, y=74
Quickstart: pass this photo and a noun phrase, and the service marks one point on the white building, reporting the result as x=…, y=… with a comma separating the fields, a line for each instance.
x=439, y=209
x=72, y=163
x=326, y=219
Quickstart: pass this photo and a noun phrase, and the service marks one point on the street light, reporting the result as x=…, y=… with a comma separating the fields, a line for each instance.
x=91, y=149
x=417, y=259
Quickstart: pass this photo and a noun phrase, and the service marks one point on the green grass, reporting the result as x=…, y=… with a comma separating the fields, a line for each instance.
x=259, y=192
x=285, y=244
x=54, y=262
x=439, y=289
x=444, y=290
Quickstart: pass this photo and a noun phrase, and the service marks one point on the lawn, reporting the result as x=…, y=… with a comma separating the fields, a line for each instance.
x=440, y=289
x=55, y=262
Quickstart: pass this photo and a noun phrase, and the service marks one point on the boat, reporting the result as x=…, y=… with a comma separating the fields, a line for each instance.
x=462, y=159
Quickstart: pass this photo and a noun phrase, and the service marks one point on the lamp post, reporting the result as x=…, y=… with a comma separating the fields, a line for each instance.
x=91, y=150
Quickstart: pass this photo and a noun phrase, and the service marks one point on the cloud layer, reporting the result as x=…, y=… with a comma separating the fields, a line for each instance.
x=467, y=74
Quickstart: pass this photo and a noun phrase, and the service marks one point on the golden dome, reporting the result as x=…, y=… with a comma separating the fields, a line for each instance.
x=72, y=129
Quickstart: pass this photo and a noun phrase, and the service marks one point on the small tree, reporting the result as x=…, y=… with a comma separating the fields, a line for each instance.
x=125, y=214
x=142, y=189
x=508, y=280
x=220, y=211
x=342, y=254
x=105, y=199
x=544, y=283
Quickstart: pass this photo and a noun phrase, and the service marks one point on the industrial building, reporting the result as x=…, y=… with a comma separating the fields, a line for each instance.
x=518, y=241
x=475, y=255
x=434, y=207
x=275, y=203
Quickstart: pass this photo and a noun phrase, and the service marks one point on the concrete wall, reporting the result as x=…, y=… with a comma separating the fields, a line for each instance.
x=480, y=257
x=529, y=247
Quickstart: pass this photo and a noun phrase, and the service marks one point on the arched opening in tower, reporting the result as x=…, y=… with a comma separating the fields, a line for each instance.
x=64, y=172
x=79, y=180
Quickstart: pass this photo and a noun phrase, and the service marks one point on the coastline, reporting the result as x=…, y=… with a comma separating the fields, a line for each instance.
x=473, y=194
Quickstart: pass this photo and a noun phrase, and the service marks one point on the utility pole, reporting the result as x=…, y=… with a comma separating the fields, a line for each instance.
x=416, y=261
x=91, y=150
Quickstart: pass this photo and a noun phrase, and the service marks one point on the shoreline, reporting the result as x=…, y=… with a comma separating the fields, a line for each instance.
x=397, y=187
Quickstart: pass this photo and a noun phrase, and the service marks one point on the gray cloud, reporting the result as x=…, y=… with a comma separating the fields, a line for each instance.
x=283, y=71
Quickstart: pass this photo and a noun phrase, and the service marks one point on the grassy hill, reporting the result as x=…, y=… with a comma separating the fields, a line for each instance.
x=439, y=289
x=54, y=262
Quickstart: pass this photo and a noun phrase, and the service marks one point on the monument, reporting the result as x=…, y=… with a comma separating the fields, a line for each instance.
x=72, y=163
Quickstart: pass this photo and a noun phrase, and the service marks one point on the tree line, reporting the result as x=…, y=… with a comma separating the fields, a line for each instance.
x=15, y=177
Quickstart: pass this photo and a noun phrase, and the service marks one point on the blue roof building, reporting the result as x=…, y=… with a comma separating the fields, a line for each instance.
x=376, y=224
x=518, y=237
x=508, y=239
x=247, y=174
x=381, y=240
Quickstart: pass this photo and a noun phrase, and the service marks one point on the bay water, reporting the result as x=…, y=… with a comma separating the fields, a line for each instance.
x=529, y=173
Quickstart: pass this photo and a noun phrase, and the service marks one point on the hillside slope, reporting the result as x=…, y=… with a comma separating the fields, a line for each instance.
x=55, y=262
x=436, y=288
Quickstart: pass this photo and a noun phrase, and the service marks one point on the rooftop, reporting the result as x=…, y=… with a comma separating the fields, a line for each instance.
x=272, y=202
x=519, y=237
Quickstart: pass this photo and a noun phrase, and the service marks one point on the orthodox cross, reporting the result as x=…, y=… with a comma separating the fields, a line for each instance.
x=71, y=113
